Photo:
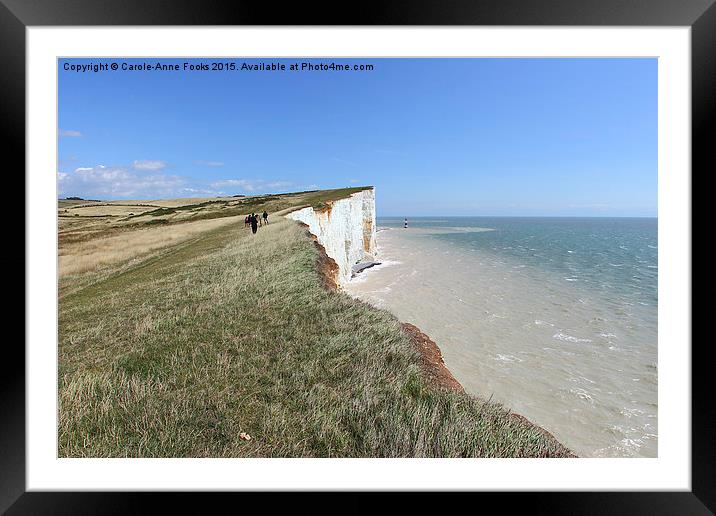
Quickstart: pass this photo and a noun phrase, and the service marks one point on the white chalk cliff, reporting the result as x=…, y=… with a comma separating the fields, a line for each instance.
x=345, y=228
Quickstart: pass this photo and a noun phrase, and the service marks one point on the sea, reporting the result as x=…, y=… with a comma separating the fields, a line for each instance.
x=555, y=318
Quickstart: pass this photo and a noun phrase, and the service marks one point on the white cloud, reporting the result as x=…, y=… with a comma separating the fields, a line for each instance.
x=251, y=185
x=102, y=182
x=149, y=164
x=69, y=133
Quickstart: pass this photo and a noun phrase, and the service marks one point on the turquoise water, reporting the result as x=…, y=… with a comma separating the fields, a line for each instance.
x=554, y=317
x=614, y=256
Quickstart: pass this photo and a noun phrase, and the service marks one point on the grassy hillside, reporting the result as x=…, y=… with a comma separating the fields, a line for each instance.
x=177, y=350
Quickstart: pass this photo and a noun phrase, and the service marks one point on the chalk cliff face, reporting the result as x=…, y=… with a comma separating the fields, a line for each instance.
x=345, y=228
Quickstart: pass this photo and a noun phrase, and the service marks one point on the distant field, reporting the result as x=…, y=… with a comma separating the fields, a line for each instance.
x=92, y=254
x=172, y=203
x=176, y=337
x=111, y=210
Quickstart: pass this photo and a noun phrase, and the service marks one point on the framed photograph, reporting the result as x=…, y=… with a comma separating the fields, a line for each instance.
x=435, y=249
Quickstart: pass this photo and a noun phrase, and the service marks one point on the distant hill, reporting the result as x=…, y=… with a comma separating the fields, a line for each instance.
x=79, y=199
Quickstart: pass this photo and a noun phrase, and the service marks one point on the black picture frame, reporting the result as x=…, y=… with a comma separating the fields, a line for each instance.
x=16, y=15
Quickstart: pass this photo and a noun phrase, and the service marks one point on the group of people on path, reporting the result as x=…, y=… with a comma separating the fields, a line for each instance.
x=254, y=220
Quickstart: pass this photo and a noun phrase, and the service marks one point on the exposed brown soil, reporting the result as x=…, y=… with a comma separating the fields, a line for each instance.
x=327, y=268
x=326, y=208
x=432, y=359
x=325, y=265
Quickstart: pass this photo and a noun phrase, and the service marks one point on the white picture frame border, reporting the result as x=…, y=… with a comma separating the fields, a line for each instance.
x=670, y=471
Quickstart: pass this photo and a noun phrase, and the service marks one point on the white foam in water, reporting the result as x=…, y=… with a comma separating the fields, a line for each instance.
x=568, y=338
x=507, y=358
x=519, y=333
x=608, y=335
x=582, y=394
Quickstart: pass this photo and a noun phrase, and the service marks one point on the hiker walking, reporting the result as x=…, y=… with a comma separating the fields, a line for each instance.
x=247, y=221
x=265, y=216
x=254, y=223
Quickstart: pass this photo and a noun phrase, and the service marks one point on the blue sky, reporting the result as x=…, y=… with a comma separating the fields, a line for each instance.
x=553, y=137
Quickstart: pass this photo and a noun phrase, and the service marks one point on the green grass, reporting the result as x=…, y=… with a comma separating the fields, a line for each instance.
x=232, y=332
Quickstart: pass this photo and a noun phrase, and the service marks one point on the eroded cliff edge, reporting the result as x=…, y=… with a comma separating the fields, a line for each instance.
x=345, y=228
